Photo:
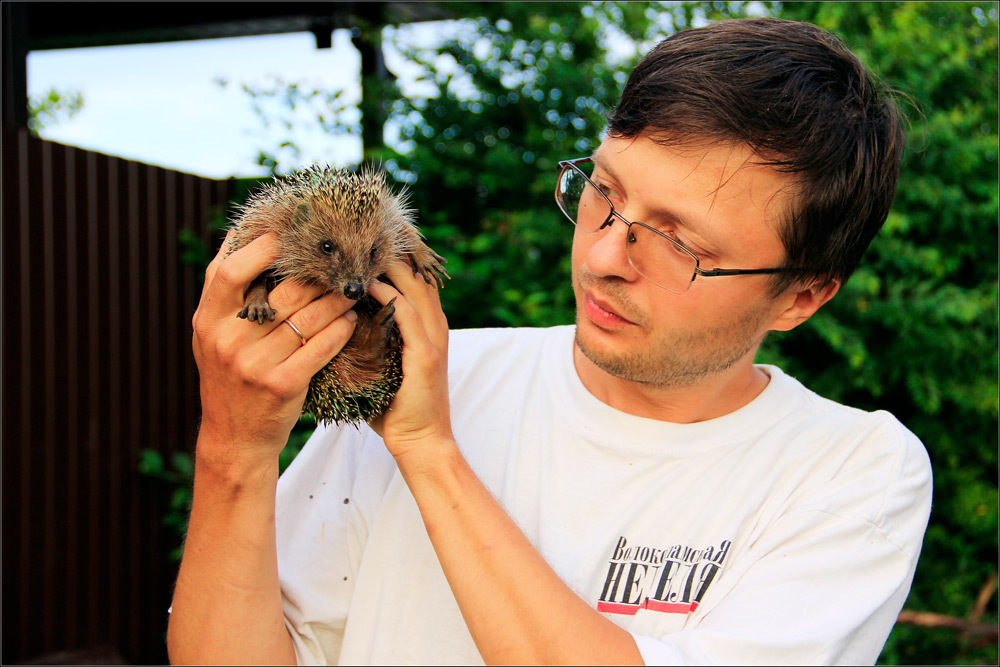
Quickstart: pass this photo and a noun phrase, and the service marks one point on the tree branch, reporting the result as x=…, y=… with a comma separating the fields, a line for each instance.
x=984, y=597
x=929, y=619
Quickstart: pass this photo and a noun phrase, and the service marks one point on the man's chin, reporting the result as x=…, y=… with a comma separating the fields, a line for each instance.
x=599, y=353
x=639, y=362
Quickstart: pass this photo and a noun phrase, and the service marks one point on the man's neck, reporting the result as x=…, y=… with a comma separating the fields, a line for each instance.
x=712, y=397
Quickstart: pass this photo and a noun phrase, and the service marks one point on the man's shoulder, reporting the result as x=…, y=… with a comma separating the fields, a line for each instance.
x=857, y=448
x=810, y=409
x=809, y=404
x=845, y=432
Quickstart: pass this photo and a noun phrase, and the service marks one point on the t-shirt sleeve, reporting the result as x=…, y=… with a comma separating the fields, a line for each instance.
x=321, y=522
x=825, y=582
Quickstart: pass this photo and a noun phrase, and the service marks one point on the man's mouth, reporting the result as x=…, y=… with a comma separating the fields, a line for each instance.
x=602, y=313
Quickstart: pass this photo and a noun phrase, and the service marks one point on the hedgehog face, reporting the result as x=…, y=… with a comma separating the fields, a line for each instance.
x=321, y=246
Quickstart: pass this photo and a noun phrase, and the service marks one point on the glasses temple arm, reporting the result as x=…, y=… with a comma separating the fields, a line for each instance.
x=742, y=272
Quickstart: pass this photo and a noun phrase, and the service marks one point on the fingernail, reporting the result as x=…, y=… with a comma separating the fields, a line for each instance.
x=351, y=316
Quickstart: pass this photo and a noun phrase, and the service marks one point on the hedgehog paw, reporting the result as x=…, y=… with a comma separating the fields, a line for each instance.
x=257, y=312
x=385, y=313
x=384, y=319
x=430, y=266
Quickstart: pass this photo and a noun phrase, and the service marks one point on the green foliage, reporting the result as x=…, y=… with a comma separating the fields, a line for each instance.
x=51, y=108
x=178, y=477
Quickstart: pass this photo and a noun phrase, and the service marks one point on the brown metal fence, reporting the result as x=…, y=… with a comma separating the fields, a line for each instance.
x=96, y=308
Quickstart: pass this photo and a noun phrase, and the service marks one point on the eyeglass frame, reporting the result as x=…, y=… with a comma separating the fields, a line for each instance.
x=698, y=271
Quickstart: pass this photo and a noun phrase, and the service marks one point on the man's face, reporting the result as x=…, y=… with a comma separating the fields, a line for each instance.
x=716, y=201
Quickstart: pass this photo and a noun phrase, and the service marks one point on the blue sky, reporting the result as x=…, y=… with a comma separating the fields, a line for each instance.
x=161, y=104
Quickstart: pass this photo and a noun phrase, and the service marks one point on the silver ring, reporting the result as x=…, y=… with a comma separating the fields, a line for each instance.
x=296, y=330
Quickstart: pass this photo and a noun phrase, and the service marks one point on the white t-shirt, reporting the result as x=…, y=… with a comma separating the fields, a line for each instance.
x=786, y=532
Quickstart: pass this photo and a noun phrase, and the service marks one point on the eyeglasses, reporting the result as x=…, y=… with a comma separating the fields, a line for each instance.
x=665, y=261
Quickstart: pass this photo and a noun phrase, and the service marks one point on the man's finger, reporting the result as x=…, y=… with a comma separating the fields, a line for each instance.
x=224, y=295
x=319, y=349
x=408, y=319
x=283, y=340
x=290, y=296
x=423, y=297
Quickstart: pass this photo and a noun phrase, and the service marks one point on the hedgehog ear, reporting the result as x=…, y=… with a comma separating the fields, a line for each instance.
x=301, y=215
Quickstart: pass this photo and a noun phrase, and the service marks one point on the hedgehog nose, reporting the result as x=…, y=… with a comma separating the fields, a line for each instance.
x=354, y=290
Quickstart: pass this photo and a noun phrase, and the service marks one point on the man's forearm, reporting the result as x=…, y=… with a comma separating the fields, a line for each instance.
x=227, y=603
x=503, y=586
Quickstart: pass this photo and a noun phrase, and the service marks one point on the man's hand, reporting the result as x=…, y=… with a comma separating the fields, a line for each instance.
x=419, y=415
x=254, y=377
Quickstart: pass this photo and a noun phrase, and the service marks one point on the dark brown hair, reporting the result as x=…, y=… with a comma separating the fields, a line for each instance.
x=803, y=103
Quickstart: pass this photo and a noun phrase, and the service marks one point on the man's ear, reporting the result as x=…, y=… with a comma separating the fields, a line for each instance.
x=803, y=301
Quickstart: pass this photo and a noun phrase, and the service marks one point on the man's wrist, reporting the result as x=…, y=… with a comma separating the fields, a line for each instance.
x=222, y=459
x=429, y=459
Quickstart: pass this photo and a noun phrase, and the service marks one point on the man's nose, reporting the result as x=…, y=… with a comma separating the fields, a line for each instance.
x=607, y=255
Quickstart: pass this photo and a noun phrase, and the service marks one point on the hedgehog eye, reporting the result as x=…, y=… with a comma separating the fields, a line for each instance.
x=327, y=247
x=374, y=249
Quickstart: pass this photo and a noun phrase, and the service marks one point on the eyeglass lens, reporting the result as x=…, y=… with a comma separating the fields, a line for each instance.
x=652, y=254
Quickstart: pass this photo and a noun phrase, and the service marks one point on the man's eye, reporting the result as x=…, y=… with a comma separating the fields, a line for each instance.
x=699, y=253
x=608, y=191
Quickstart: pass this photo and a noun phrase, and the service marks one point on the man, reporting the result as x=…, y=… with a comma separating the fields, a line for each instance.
x=631, y=489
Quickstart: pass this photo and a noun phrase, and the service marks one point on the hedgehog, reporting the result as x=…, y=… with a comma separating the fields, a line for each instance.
x=340, y=230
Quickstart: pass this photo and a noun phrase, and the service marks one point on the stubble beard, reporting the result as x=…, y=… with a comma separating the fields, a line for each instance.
x=674, y=359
